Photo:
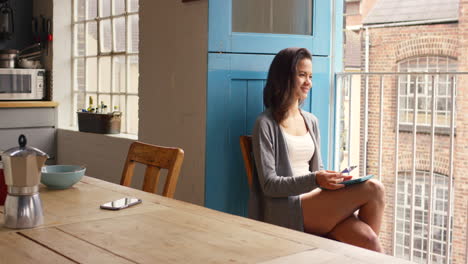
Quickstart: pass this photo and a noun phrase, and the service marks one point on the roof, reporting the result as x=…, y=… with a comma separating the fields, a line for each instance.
x=393, y=11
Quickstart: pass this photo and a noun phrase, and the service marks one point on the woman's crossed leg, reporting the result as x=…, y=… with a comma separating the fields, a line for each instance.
x=332, y=213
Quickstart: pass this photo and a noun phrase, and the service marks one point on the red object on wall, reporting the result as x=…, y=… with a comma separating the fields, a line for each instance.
x=3, y=188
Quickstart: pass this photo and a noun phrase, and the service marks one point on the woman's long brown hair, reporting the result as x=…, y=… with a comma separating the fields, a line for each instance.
x=278, y=94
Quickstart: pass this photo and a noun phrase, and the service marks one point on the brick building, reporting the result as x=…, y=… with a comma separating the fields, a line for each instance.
x=407, y=37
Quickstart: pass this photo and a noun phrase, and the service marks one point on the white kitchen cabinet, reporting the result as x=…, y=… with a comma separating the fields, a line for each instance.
x=36, y=120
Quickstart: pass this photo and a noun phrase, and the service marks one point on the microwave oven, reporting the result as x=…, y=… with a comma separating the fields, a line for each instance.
x=22, y=84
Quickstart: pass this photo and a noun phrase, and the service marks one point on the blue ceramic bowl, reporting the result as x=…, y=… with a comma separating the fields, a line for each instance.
x=61, y=176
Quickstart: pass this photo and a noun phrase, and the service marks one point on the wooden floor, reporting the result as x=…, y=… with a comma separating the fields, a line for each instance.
x=161, y=230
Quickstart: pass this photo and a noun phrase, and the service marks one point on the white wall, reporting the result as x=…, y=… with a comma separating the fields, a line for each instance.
x=61, y=80
x=173, y=70
x=103, y=155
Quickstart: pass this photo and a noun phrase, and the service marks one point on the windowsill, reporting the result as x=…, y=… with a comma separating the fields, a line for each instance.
x=444, y=131
x=123, y=136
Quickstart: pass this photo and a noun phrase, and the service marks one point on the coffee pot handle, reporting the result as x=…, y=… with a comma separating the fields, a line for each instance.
x=22, y=141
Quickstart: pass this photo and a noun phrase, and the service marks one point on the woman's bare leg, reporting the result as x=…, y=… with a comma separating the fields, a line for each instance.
x=323, y=210
x=355, y=232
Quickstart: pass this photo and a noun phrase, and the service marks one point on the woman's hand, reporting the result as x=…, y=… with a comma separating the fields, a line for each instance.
x=331, y=180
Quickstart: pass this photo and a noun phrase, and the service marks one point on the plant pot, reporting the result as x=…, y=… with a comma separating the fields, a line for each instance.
x=99, y=123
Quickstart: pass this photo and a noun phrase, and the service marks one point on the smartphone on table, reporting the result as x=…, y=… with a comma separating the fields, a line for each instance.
x=121, y=203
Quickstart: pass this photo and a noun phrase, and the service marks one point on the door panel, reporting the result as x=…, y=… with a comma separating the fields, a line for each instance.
x=223, y=39
x=254, y=102
x=235, y=99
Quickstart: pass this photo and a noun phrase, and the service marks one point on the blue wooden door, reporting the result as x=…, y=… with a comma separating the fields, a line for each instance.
x=238, y=63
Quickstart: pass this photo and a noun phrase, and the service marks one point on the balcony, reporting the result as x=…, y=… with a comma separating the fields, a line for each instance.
x=419, y=157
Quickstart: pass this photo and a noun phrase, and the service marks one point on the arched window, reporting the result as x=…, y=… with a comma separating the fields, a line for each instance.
x=423, y=84
x=421, y=209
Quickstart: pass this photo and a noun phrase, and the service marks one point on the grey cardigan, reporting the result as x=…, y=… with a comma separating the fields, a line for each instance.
x=274, y=196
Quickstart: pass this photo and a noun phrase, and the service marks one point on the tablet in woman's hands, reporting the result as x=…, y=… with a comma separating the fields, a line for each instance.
x=357, y=180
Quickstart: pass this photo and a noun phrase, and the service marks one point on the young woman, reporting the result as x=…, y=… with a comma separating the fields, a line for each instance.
x=289, y=169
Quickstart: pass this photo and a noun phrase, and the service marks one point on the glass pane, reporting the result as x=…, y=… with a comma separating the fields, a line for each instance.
x=403, y=67
x=91, y=74
x=132, y=115
x=421, y=88
x=133, y=33
x=451, y=85
x=399, y=251
x=272, y=16
x=79, y=40
x=403, y=102
x=119, y=34
x=441, y=104
x=106, y=36
x=403, y=88
x=75, y=107
x=422, y=103
x=105, y=8
x=105, y=74
x=119, y=74
x=119, y=7
x=133, y=74
x=443, y=63
x=79, y=102
x=432, y=64
x=411, y=103
x=429, y=104
x=79, y=10
x=133, y=6
x=442, y=89
x=91, y=39
x=79, y=75
x=452, y=66
x=413, y=64
x=91, y=9
x=118, y=104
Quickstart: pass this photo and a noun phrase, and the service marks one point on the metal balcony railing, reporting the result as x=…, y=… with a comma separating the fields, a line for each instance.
x=401, y=123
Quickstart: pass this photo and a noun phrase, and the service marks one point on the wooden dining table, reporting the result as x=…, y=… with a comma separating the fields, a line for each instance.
x=160, y=230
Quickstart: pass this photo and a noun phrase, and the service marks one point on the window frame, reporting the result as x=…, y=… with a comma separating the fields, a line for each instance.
x=403, y=83
x=440, y=183
x=128, y=54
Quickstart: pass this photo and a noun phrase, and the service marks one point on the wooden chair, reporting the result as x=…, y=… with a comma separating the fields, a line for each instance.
x=246, y=148
x=156, y=158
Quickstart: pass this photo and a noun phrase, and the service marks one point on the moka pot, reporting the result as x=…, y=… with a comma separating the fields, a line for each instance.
x=22, y=169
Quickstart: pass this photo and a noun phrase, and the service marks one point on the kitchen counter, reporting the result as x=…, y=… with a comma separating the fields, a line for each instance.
x=27, y=104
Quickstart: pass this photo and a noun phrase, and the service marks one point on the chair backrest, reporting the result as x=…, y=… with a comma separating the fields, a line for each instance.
x=156, y=158
x=246, y=148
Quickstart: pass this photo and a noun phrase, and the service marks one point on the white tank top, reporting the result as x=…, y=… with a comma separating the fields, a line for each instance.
x=300, y=152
